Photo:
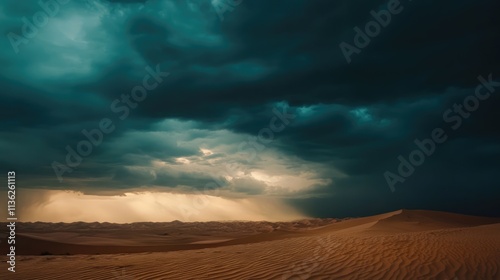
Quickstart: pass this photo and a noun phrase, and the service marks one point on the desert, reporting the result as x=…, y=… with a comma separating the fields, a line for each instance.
x=404, y=244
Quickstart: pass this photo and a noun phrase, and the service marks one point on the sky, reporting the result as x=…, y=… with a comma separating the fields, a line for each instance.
x=200, y=110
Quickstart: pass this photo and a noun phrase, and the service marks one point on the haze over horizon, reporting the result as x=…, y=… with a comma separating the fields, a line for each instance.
x=140, y=110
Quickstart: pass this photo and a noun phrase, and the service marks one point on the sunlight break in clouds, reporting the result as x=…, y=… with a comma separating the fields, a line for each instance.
x=69, y=206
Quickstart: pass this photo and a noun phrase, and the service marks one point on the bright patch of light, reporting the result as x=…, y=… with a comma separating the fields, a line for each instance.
x=147, y=206
x=183, y=160
x=206, y=152
x=265, y=178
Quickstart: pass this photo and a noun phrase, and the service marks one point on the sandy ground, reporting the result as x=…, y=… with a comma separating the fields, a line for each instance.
x=405, y=244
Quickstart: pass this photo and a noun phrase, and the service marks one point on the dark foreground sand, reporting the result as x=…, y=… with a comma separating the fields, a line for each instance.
x=405, y=244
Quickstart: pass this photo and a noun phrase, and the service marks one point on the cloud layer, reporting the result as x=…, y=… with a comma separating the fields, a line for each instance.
x=213, y=122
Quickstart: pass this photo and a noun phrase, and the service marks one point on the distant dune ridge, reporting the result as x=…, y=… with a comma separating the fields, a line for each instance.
x=404, y=244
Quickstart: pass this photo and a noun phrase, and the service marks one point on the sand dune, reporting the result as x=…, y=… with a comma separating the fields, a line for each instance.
x=404, y=244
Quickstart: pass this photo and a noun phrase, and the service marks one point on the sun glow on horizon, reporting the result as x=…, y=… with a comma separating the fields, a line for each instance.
x=148, y=206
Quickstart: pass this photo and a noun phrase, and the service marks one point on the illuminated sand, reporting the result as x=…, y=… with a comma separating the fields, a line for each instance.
x=406, y=244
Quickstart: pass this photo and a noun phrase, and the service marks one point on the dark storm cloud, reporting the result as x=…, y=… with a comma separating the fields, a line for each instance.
x=226, y=78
